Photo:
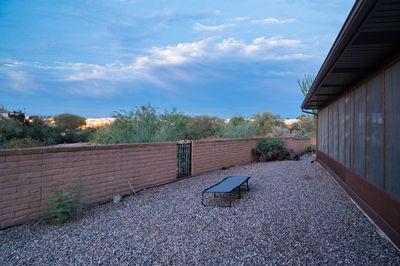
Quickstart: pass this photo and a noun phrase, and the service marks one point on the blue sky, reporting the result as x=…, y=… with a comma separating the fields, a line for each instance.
x=222, y=58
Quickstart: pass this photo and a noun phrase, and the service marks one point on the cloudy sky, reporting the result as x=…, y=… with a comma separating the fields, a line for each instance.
x=214, y=57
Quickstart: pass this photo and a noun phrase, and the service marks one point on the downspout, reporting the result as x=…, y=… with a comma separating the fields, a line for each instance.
x=316, y=130
x=307, y=112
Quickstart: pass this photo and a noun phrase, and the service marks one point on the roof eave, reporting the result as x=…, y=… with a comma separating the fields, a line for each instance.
x=357, y=15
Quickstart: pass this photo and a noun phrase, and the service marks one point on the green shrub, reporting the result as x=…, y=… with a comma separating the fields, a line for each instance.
x=139, y=126
x=74, y=136
x=18, y=143
x=145, y=124
x=65, y=205
x=241, y=130
x=309, y=148
x=307, y=124
x=267, y=144
x=266, y=121
x=173, y=126
x=14, y=134
x=69, y=122
x=204, y=127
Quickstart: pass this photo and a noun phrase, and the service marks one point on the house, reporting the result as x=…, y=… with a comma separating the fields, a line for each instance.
x=98, y=122
x=290, y=122
x=357, y=96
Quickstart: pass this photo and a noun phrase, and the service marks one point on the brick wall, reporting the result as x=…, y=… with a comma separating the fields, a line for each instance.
x=298, y=144
x=26, y=175
x=209, y=155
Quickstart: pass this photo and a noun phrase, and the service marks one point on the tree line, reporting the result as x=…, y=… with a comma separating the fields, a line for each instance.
x=146, y=124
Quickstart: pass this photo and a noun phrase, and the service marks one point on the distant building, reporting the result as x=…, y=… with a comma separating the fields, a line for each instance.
x=98, y=122
x=4, y=113
x=17, y=115
x=290, y=122
x=49, y=120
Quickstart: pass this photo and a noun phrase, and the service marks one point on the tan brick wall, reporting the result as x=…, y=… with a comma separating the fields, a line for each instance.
x=297, y=144
x=26, y=175
x=209, y=155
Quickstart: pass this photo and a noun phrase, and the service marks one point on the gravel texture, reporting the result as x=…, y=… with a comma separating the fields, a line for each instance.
x=294, y=213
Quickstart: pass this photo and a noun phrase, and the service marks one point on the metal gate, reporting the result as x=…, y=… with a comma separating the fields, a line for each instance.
x=184, y=159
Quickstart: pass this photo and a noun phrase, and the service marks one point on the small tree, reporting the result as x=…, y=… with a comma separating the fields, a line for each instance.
x=173, y=125
x=236, y=120
x=204, y=126
x=266, y=122
x=69, y=122
x=305, y=83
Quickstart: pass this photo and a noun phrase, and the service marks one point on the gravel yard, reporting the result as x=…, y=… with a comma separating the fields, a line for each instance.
x=294, y=213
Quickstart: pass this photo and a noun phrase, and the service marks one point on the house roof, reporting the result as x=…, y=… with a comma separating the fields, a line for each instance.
x=368, y=40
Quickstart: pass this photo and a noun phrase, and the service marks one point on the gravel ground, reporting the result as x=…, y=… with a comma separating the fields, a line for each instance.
x=294, y=213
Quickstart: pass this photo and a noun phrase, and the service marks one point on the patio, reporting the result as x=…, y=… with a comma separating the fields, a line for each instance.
x=294, y=213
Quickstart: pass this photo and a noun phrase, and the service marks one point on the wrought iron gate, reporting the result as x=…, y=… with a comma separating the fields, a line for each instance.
x=184, y=159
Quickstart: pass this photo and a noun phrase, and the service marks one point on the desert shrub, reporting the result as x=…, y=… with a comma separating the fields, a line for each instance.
x=267, y=144
x=309, y=148
x=137, y=126
x=69, y=122
x=64, y=205
x=307, y=124
x=74, y=136
x=204, y=127
x=18, y=143
x=15, y=134
x=145, y=124
x=241, y=130
x=173, y=126
x=237, y=120
x=120, y=131
x=10, y=128
x=84, y=135
x=42, y=132
x=285, y=132
x=59, y=207
x=266, y=121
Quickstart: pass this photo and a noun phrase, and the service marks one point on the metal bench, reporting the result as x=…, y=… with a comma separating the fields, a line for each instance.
x=227, y=186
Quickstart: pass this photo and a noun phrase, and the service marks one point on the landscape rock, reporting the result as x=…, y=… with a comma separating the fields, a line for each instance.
x=285, y=218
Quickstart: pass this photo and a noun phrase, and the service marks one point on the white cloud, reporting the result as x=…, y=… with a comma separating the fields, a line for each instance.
x=201, y=27
x=258, y=46
x=229, y=45
x=159, y=66
x=20, y=80
x=182, y=53
x=273, y=21
x=13, y=63
x=240, y=19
